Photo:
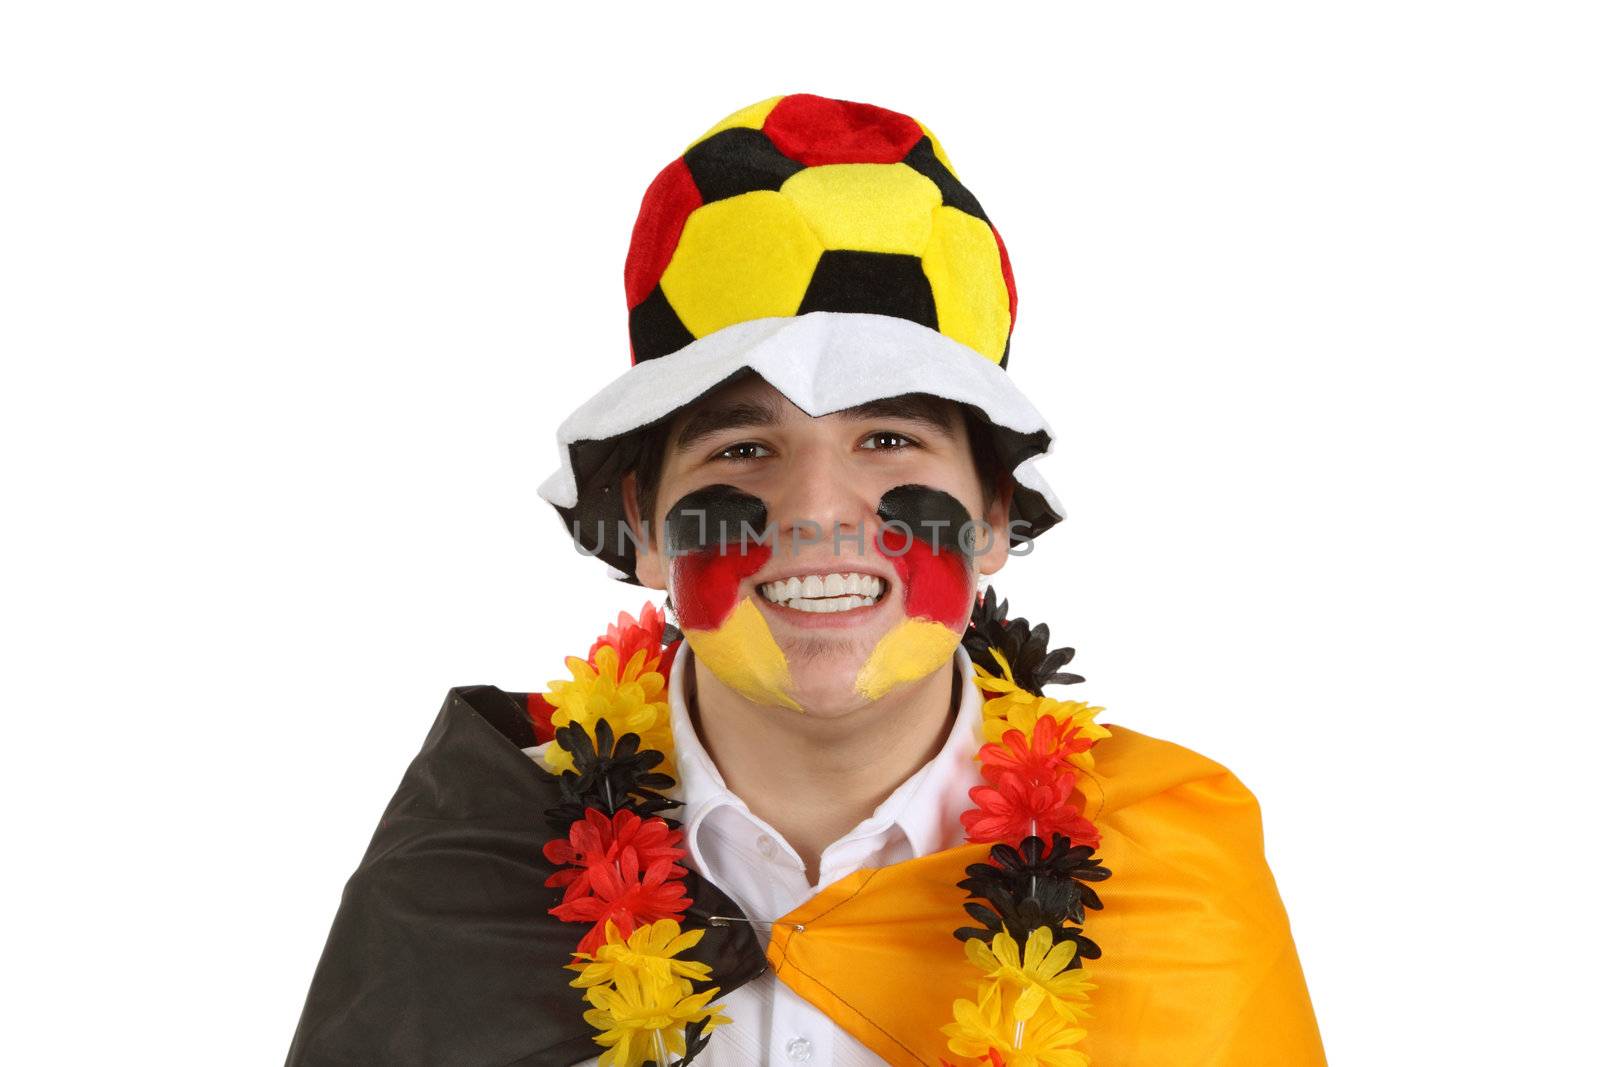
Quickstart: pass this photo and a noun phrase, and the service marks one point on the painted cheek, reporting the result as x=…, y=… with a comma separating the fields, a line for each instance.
x=914, y=649
x=744, y=655
x=705, y=583
x=939, y=586
x=727, y=631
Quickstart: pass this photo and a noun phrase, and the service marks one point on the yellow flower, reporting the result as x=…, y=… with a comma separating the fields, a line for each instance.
x=631, y=698
x=633, y=1013
x=1039, y=973
x=1046, y=1039
x=1014, y=708
x=648, y=953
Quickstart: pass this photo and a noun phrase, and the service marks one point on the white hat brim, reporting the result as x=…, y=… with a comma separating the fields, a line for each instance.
x=822, y=361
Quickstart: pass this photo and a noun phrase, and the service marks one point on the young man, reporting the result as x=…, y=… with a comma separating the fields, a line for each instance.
x=831, y=815
x=814, y=775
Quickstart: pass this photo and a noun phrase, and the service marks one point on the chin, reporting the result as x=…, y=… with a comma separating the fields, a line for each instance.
x=826, y=650
x=823, y=670
x=828, y=666
x=850, y=643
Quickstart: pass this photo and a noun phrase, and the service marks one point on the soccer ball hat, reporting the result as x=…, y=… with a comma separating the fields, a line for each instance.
x=828, y=247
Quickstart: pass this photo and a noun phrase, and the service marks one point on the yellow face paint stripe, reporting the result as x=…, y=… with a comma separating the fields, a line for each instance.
x=745, y=656
x=912, y=650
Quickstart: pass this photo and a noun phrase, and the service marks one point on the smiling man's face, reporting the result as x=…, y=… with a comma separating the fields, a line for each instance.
x=821, y=617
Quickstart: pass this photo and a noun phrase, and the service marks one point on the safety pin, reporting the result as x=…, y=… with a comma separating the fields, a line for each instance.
x=724, y=920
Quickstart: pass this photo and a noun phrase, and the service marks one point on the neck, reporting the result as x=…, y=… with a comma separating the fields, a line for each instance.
x=812, y=778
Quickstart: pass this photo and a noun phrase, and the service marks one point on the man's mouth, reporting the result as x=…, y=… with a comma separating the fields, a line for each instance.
x=822, y=593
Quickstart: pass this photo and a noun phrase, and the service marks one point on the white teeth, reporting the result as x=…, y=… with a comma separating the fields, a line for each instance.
x=829, y=604
x=825, y=593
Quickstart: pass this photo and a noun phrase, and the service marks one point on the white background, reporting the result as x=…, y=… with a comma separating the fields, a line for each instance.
x=293, y=296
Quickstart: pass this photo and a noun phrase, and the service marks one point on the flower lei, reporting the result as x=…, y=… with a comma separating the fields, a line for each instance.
x=618, y=857
x=1029, y=897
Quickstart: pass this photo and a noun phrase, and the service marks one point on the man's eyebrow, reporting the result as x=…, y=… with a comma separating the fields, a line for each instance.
x=709, y=421
x=930, y=411
x=915, y=407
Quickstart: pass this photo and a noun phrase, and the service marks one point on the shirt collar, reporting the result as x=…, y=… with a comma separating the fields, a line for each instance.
x=926, y=807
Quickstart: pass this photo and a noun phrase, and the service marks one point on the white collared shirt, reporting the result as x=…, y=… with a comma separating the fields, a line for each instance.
x=750, y=861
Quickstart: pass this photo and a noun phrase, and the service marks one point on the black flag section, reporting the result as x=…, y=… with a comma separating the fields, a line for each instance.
x=443, y=952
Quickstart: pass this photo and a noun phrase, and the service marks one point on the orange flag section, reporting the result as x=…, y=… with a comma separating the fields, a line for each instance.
x=1198, y=966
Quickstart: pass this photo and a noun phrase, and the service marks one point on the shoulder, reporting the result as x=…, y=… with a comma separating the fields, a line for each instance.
x=1132, y=769
x=1199, y=955
x=1168, y=806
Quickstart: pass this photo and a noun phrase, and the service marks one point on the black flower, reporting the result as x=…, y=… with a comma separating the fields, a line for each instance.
x=1034, y=664
x=1019, y=918
x=1013, y=875
x=609, y=775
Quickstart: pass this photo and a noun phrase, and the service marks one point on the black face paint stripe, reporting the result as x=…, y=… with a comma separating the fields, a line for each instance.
x=715, y=516
x=931, y=515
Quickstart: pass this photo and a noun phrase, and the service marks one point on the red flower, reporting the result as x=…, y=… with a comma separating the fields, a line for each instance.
x=600, y=843
x=1040, y=761
x=1013, y=808
x=628, y=636
x=539, y=710
x=626, y=895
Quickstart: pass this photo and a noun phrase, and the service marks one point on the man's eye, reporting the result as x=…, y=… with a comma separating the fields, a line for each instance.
x=887, y=439
x=744, y=450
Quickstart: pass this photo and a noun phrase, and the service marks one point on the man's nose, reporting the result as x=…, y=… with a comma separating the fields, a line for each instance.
x=822, y=503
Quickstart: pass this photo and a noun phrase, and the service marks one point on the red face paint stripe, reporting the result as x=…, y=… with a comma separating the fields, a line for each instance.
x=705, y=584
x=938, y=585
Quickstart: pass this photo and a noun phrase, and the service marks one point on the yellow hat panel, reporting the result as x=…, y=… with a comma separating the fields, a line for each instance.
x=866, y=207
x=748, y=257
x=962, y=263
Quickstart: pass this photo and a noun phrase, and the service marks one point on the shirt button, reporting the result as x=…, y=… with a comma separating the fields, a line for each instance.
x=765, y=844
x=799, y=1050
